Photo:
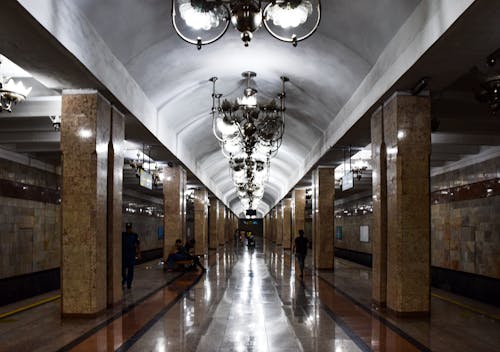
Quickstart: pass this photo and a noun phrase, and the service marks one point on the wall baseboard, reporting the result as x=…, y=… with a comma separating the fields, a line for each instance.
x=13, y=289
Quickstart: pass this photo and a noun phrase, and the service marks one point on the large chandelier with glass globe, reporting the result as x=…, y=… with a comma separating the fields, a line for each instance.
x=203, y=22
x=250, y=135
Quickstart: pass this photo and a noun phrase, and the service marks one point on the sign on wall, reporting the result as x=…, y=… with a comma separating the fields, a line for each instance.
x=146, y=179
x=364, y=235
x=347, y=181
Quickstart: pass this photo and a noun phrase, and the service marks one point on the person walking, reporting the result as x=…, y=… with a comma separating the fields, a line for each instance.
x=130, y=249
x=300, y=249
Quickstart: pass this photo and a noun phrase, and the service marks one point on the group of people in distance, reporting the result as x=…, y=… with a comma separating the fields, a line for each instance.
x=180, y=252
x=131, y=251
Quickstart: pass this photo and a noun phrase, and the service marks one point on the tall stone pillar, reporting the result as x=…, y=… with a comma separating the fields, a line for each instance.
x=279, y=224
x=287, y=223
x=85, y=134
x=174, y=204
x=379, y=223
x=299, y=210
x=115, y=186
x=323, y=218
x=407, y=132
x=221, y=224
x=200, y=221
x=214, y=216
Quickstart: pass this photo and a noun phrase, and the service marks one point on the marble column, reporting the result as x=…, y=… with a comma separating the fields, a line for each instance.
x=200, y=221
x=379, y=222
x=279, y=224
x=299, y=210
x=115, y=185
x=85, y=134
x=174, y=204
x=407, y=134
x=214, y=216
x=221, y=224
x=323, y=217
x=287, y=223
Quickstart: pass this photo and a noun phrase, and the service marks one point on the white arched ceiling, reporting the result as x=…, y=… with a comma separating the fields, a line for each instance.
x=340, y=61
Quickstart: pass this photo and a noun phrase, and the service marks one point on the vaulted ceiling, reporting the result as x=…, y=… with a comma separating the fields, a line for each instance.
x=130, y=49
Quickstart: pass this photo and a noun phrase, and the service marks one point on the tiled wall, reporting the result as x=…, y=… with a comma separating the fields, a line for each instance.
x=29, y=230
x=147, y=229
x=351, y=231
x=465, y=233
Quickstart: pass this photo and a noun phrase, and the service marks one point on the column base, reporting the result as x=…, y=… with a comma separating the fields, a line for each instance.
x=418, y=314
x=82, y=315
x=378, y=305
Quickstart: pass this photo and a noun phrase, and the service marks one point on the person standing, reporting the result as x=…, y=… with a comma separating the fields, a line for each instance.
x=300, y=248
x=130, y=249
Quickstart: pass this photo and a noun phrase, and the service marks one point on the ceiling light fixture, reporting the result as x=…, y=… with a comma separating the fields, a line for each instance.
x=250, y=134
x=206, y=21
x=11, y=92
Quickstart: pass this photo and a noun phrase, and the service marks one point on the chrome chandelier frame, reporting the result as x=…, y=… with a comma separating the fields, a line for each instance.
x=249, y=135
x=246, y=16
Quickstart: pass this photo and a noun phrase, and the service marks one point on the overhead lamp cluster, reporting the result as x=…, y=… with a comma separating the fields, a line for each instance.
x=11, y=92
x=205, y=21
x=249, y=134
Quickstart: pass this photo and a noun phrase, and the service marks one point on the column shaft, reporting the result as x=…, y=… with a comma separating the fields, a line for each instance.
x=323, y=218
x=379, y=226
x=213, y=215
x=408, y=140
x=221, y=224
x=287, y=223
x=279, y=224
x=299, y=209
x=115, y=186
x=200, y=221
x=174, y=203
x=85, y=131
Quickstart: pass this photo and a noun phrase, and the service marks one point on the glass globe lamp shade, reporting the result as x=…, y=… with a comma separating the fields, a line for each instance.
x=198, y=17
x=288, y=15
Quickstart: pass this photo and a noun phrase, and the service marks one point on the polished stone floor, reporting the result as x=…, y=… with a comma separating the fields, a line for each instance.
x=252, y=300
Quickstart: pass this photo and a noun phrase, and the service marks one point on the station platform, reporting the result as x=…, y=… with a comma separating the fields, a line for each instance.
x=250, y=300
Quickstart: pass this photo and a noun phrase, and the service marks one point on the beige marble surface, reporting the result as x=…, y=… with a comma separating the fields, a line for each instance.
x=213, y=219
x=287, y=223
x=299, y=209
x=221, y=224
x=201, y=221
x=174, y=202
x=279, y=224
x=115, y=186
x=323, y=218
x=85, y=133
x=379, y=215
x=408, y=140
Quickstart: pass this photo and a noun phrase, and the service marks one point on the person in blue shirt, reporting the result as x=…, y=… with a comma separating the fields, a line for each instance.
x=130, y=249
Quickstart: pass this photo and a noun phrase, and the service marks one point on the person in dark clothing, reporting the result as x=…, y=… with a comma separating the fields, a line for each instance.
x=189, y=253
x=300, y=248
x=130, y=249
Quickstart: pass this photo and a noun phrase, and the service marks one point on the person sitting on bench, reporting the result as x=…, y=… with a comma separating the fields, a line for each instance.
x=176, y=254
x=189, y=252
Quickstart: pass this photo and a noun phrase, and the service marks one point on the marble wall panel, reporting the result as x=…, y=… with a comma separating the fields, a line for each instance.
x=29, y=229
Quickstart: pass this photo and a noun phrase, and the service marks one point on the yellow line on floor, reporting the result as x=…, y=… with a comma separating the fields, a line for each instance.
x=475, y=310
x=29, y=306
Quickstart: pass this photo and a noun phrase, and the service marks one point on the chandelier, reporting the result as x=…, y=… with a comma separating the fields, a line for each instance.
x=206, y=21
x=11, y=93
x=249, y=134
